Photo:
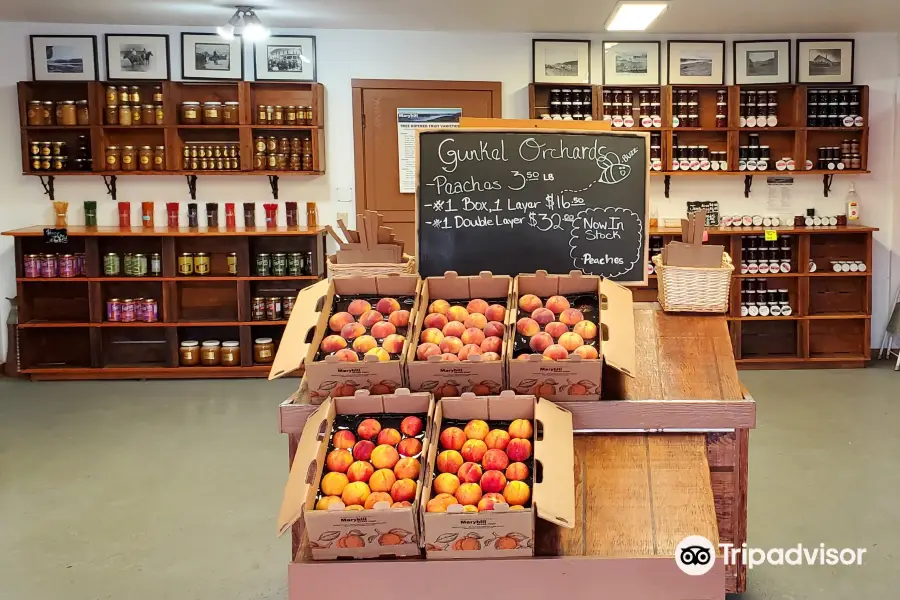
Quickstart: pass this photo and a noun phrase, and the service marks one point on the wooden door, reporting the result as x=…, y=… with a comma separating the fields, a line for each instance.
x=375, y=104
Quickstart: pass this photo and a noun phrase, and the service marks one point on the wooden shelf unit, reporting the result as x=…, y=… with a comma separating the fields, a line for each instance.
x=830, y=325
x=172, y=134
x=63, y=331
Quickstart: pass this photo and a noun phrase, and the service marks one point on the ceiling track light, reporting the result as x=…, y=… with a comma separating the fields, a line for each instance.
x=252, y=29
x=635, y=15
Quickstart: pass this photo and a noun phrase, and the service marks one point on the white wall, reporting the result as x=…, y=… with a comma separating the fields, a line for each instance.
x=344, y=55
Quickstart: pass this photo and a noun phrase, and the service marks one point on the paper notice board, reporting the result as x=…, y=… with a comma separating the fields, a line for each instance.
x=409, y=120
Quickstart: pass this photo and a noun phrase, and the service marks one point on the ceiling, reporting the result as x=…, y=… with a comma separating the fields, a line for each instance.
x=574, y=16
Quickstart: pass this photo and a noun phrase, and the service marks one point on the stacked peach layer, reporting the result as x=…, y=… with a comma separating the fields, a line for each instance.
x=456, y=333
x=373, y=465
x=363, y=330
x=555, y=329
x=479, y=467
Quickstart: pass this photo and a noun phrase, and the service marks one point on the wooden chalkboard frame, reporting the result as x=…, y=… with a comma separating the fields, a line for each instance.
x=573, y=127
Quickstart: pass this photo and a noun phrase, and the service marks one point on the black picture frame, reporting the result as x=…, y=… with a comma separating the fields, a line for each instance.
x=315, y=73
x=93, y=39
x=153, y=35
x=734, y=58
x=852, y=43
x=669, y=60
x=535, y=42
x=190, y=78
x=658, y=59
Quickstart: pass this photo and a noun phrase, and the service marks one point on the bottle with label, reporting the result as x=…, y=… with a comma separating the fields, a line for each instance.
x=852, y=204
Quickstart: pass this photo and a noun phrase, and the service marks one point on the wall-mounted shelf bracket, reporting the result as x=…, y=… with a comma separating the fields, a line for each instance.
x=273, y=182
x=192, y=186
x=47, y=182
x=110, y=181
x=826, y=184
x=668, y=183
x=748, y=184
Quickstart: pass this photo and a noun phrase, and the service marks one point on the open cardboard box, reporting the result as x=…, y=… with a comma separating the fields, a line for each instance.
x=454, y=378
x=574, y=379
x=503, y=533
x=331, y=377
x=336, y=533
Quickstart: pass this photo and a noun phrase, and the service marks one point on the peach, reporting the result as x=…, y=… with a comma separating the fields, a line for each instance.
x=470, y=508
x=556, y=352
x=496, y=439
x=439, y=306
x=333, y=484
x=411, y=426
x=393, y=344
x=489, y=357
x=543, y=316
x=409, y=447
x=476, y=429
x=473, y=450
x=363, y=450
x=339, y=460
x=524, y=357
x=389, y=436
x=494, y=329
x=434, y=321
x=468, y=493
x=587, y=352
x=431, y=336
x=360, y=471
x=347, y=355
x=399, y=318
x=387, y=305
x=541, y=341
x=407, y=468
x=333, y=343
x=556, y=329
x=469, y=472
x=571, y=316
x=517, y=472
x=382, y=480
x=468, y=350
x=472, y=335
x=520, y=428
x=477, y=306
x=376, y=497
x=403, y=504
x=491, y=344
x=530, y=303
x=516, y=493
x=495, y=312
x=368, y=429
x=435, y=505
x=446, y=483
x=453, y=438
x=445, y=499
x=358, y=307
x=351, y=331
x=343, y=439
x=382, y=329
x=557, y=304
x=382, y=354
x=370, y=317
x=403, y=490
x=571, y=341
x=427, y=349
x=493, y=481
x=451, y=345
x=476, y=321
x=447, y=357
x=453, y=329
x=340, y=320
x=489, y=500
x=518, y=450
x=384, y=457
x=449, y=461
x=354, y=507
x=364, y=343
x=355, y=493
x=457, y=313
x=527, y=326
x=326, y=501
x=586, y=330
x=495, y=460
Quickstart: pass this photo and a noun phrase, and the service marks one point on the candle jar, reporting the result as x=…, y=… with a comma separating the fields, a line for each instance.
x=90, y=213
x=147, y=214
x=172, y=213
x=124, y=214
x=192, y=215
x=230, y=221
x=212, y=214
x=290, y=209
x=249, y=214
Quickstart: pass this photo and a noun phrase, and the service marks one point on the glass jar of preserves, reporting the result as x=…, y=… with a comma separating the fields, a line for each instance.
x=212, y=113
x=83, y=114
x=284, y=146
x=259, y=161
x=295, y=163
x=129, y=158
x=59, y=148
x=190, y=113
x=281, y=162
x=190, y=353
x=272, y=144
x=272, y=162
x=145, y=158
x=35, y=113
x=148, y=114
x=136, y=114
x=60, y=163
x=231, y=113
x=210, y=353
x=279, y=264
x=296, y=146
x=49, y=112
x=290, y=115
x=263, y=265
x=159, y=158
x=134, y=95
x=111, y=115
x=201, y=263
x=278, y=115
x=263, y=350
x=46, y=148
x=230, y=354
x=113, y=158
x=261, y=115
x=270, y=114
x=125, y=115
x=36, y=162
x=157, y=95
x=259, y=144
x=307, y=162
x=112, y=96
x=232, y=260
x=307, y=115
x=159, y=114
x=186, y=264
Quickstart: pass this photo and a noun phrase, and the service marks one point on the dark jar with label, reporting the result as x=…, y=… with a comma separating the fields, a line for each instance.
x=189, y=353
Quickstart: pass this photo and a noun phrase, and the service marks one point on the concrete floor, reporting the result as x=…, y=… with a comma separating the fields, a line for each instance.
x=170, y=489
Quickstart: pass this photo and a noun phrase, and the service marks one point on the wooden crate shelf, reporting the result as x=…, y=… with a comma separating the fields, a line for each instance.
x=63, y=329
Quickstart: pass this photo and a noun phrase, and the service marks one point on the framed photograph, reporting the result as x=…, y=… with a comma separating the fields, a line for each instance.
x=696, y=63
x=208, y=56
x=285, y=58
x=825, y=61
x=561, y=61
x=64, y=58
x=761, y=62
x=631, y=63
x=130, y=57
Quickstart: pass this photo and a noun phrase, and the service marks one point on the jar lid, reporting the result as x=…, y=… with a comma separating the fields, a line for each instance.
x=34, y=102
x=263, y=341
x=68, y=102
x=211, y=102
x=230, y=344
x=81, y=102
x=127, y=147
x=189, y=344
x=47, y=102
x=233, y=103
x=160, y=147
x=112, y=148
x=146, y=148
x=190, y=104
x=201, y=254
x=211, y=344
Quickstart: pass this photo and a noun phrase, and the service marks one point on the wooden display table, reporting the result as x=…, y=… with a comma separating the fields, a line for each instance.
x=663, y=457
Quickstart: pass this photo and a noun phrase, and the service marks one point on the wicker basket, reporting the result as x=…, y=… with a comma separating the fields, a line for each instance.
x=694, y=289
x=371, y=269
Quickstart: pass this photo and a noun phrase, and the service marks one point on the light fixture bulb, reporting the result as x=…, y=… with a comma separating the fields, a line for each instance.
x=227, y=31
x=635, y=16
x=253, y=28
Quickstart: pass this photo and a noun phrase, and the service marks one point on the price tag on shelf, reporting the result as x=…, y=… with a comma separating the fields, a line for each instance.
x=771, y=235
x=55, y=236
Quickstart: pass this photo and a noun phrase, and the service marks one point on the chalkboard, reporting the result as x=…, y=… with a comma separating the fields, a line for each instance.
x=55, y=236
x=710, y=206
x=516, y=201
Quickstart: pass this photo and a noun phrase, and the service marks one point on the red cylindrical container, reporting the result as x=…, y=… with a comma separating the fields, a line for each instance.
x=290, y=212
x=114, y=310
x=124, y=214
x=230, y=220
x=147, y=214
x=271, y=215
x=172, y=212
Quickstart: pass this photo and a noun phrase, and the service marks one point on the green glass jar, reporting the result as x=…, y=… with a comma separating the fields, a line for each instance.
x=112, y=265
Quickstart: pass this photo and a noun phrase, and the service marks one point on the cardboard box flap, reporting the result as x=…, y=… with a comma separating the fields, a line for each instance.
x=303, y=477
x=554, y=496
x=304, y=317
x=617, y=322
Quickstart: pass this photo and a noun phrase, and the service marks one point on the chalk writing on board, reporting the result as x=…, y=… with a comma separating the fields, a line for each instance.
x=608, y=224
